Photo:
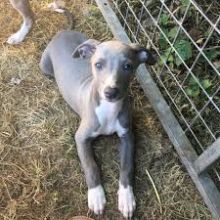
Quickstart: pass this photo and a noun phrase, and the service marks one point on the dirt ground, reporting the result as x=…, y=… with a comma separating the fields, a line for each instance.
x=40, y=173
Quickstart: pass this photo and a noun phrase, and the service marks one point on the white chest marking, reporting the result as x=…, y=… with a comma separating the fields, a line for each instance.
x=107, y=114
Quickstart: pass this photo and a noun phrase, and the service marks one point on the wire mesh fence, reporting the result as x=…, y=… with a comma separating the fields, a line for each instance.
x=185, y=34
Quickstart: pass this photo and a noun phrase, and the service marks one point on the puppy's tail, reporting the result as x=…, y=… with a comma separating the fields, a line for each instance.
x=70, y=19
x=59, y=6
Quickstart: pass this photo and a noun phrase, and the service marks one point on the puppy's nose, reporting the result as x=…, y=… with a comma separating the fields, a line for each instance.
x=111, y=93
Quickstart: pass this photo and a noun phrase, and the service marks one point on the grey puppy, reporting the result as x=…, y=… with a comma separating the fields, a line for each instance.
x=93, y=78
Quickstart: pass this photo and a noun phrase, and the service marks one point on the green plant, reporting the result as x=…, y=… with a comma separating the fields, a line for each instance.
x=182, y=45
x=212, y=54
x=193, y=89
x=184, y=49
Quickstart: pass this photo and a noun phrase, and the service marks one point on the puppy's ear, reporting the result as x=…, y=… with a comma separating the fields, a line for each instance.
x=143, y=54
x=86, y=49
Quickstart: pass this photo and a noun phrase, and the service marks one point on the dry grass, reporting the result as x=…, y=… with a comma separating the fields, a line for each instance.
x=40, y=174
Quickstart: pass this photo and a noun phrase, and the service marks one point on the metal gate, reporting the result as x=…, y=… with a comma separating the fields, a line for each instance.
x=184, y=87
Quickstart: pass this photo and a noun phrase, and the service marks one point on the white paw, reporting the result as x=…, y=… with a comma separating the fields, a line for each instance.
x=126, y=201
x=16, y=38
x=19, y=36
x=96, y=199
x=57, y=6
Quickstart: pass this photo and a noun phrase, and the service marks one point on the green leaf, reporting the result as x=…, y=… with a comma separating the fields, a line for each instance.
x=192, y=81
x=212, y=54
x=206, y=34
x=189, y=91
x=170, y=58
x=168, y=51
x=185, y=3
x=162, y=42
x=196, y=93
x=184, y=49
x=163, y=59
x=193, y=92
x=193, y=89
x=172, y=33
x=167, y=56
x=178, y=61
x=164, y=19
x=171, y=65
x=206, y=83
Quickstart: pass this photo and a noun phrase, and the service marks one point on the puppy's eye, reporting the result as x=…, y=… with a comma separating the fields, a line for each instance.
x=128, y=67
x=98, y=66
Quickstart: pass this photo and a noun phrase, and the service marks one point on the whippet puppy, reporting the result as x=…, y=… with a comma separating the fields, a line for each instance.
x=93, y=78
x=23, y=7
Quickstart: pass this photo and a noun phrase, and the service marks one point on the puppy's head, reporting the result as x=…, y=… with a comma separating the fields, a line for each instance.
x=113, y=65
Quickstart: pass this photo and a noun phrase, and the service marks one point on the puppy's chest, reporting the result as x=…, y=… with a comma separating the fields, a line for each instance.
x=107, y=114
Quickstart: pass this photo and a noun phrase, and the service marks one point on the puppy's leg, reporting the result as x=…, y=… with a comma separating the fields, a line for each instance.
x=23, y=7
x=46, y=64
x=126, y=200
x=96, y=195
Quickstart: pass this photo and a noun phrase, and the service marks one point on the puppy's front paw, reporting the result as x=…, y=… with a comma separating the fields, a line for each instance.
x=96, y=199
x=20, y=35
x=16, y=38
x=126, y=201
x=57, y=6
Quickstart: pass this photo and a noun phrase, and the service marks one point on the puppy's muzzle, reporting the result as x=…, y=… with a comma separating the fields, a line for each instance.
x=111, y=93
